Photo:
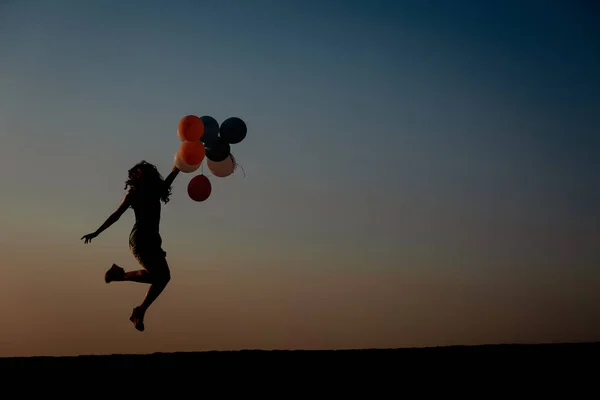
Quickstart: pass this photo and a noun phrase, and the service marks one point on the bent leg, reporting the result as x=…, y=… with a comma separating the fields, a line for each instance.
x=141, y=276
x=118, y=274
x=160, y=277
x=159, y=274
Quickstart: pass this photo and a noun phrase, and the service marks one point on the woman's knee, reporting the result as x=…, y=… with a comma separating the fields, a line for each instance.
x=162, y=275
x=159, y=271
x=165, y=277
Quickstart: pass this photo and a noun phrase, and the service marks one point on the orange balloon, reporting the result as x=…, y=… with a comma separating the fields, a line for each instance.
x=192, y=153
x=190, y=128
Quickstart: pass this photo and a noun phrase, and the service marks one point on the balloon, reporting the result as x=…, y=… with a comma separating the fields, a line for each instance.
x=217, y=150
x=223, y=168
x=211, y=129
x=233, y=130
x=190, y=128
x=192, y=153
x=183, y=167
x=199, y=188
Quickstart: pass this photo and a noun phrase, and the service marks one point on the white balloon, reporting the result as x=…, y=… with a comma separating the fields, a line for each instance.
x=183, y=167
x=222, y=168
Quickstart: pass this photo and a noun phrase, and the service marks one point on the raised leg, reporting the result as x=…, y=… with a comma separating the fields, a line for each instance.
x=118, y=274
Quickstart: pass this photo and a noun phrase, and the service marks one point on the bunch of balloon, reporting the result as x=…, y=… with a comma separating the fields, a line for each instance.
x=218, y=141
x=203, y=137
x=190, y=155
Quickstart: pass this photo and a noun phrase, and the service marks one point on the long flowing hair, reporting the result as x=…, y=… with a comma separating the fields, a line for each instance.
x=145, y=178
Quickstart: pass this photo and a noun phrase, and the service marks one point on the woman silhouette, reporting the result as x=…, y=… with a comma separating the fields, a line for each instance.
x=146, y=190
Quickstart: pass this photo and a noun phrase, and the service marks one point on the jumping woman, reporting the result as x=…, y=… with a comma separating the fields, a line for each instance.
x=146, y=190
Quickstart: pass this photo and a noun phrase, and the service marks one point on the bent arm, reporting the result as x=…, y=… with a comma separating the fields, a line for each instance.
x=114, y=217
x=171, y=177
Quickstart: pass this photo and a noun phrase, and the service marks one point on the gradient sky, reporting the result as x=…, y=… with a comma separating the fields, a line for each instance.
x=418, y=173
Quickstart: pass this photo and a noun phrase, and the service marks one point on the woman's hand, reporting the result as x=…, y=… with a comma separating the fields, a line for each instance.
x=88, y=238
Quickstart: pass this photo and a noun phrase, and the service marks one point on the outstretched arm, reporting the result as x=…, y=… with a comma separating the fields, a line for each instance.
x=114, y=217
x=171, y=177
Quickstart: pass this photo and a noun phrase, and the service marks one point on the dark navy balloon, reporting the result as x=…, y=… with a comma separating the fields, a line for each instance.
x=217, y=150
x=233, y=130
x=211, y=129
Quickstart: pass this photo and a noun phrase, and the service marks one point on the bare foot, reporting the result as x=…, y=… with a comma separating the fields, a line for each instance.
x=115, y=273
x=137, y=318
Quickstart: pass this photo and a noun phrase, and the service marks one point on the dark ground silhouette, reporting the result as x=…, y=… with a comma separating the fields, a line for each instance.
x=563, y=356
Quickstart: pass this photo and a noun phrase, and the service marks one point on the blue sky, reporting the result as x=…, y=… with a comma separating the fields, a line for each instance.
x=449, y=140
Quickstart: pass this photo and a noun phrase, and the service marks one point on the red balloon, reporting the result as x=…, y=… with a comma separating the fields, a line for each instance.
x=199, y=188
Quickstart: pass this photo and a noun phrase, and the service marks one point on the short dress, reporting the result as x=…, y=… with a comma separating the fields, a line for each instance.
x=145, y=241
x=145, y=245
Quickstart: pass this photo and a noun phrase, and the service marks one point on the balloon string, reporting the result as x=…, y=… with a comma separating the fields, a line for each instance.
x=238, y=165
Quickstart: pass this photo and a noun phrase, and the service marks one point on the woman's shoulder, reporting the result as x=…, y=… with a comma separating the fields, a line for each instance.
x=132, y=194
x=138, y=194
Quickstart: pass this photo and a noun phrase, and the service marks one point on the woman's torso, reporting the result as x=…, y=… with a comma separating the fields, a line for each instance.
x=147, y=208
